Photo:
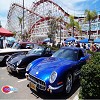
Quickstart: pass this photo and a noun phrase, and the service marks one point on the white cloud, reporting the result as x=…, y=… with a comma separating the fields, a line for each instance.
x=94, y=1
x=4, y=8
x=69, y=6
x=4, y=5
x=3, y=21
x=77, y=7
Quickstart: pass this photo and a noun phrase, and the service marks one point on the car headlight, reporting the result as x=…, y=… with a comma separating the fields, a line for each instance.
x=53, y=77
x=28, y=67
x=1, y=58
x=19, y=62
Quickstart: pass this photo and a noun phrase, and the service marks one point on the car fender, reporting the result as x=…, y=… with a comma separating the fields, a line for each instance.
x=4, y=59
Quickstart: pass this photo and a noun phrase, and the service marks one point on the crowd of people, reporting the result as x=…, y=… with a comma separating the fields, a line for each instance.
x=88, y=46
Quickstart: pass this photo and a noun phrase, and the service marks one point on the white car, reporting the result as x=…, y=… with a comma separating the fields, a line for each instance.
x=16, y=48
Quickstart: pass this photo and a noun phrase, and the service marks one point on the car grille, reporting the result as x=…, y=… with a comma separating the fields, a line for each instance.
x=40, y=84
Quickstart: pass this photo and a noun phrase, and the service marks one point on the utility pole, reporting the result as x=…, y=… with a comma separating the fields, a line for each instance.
x=60, y=19
x=60, y=30
x=0, y=24
x=23, y=14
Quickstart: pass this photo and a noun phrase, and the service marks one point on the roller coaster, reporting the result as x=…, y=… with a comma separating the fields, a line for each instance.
x=36, y=19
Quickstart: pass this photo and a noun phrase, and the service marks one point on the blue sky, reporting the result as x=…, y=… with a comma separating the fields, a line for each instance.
x=70, y=6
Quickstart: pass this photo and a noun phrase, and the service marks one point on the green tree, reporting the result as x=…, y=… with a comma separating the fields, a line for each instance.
x=52, y=26
x=89, y=17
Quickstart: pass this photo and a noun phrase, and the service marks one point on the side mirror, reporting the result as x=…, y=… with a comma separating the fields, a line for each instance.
x=82, y=58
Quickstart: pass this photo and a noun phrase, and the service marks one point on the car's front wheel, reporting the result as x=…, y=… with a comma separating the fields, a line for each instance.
x=68, y=83
x=4, y=60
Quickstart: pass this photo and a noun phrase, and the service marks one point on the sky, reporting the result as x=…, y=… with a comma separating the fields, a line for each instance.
x=70, y=6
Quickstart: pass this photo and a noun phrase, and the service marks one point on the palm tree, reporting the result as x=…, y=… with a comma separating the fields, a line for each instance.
x=59, y=19
x=52, y=29
x=90, y=16
x=71, y=24
x=20, y=22
x=78, y=27
x=26, y=36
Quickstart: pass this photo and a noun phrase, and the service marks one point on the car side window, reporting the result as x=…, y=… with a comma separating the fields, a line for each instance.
x=29, y=46
x=80, y=54
x=48, y=50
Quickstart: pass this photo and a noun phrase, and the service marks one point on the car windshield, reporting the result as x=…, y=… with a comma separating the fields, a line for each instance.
x=16, y=46
x=37, y=51
x=69, y=54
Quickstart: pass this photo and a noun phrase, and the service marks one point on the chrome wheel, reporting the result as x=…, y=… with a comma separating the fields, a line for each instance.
x=68, y=85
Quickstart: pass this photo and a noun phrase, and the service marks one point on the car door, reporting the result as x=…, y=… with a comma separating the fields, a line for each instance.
x=79, y=63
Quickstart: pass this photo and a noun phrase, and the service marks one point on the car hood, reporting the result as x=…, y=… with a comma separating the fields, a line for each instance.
x=21, y=56
x=44, y=69
x=17, y=58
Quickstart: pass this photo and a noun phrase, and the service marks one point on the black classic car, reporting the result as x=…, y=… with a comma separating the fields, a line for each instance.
x=16, y=48
x=18, y=62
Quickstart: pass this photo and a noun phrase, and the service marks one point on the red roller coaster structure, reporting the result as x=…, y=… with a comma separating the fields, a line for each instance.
x=36, y=18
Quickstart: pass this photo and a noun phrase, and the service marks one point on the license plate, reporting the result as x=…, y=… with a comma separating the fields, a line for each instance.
x=32, y=86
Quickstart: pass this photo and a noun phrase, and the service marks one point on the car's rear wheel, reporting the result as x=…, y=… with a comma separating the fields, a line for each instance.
x=68, y=83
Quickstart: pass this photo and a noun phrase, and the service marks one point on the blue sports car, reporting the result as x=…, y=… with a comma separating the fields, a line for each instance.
x=56, y=73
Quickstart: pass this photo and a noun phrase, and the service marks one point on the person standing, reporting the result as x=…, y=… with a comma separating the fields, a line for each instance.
x=4, y=43
x=1, y=43
x=93, y=47
x=78, y=44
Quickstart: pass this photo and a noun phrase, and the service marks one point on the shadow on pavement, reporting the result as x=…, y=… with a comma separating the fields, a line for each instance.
x=62, y=95
x=18, y=75
x=2, y=64
x=15, y=74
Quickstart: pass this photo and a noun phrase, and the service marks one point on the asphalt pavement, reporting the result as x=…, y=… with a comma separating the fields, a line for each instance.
x=23, y=92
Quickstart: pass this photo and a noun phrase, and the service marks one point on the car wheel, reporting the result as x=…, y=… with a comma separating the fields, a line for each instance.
x=68, y=83
x=4, y=60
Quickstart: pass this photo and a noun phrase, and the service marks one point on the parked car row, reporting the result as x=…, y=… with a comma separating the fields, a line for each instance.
x=49, y=72
x=16, y=48
x=18, y=62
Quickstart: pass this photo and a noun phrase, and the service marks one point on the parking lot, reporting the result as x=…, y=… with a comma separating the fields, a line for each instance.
x=23, y=92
